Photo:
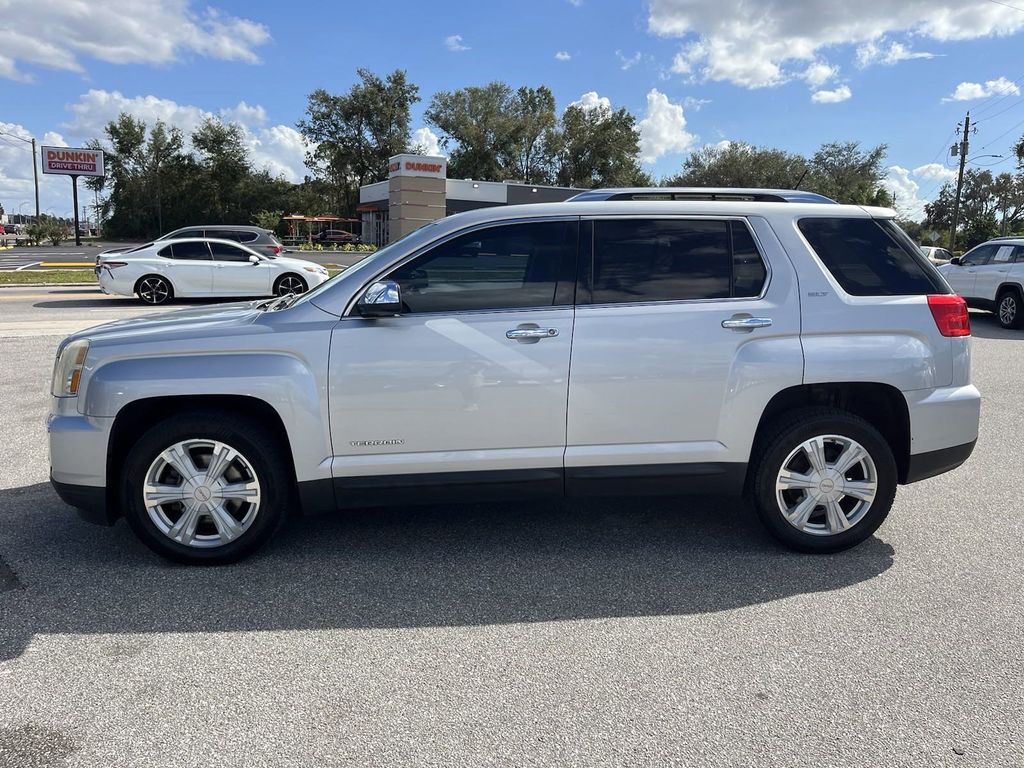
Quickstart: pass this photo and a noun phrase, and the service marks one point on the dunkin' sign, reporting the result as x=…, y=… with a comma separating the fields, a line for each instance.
x=418, y=165
x=72, y=162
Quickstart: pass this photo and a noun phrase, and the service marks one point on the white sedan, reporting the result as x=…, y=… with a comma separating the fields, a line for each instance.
x=160, y=271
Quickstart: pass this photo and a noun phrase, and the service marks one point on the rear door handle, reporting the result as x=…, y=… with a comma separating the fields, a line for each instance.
x=746, y=323
x=530, y=334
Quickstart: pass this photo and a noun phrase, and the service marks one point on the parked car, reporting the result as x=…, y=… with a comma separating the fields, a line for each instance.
x=990, y=276
x=805, y=355
x=261, y=240
x=937, y=256
x=336, y=236
x=162, y=270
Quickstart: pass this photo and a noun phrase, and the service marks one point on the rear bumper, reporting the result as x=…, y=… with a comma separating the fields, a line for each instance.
x=925, y=465
x=943, y=418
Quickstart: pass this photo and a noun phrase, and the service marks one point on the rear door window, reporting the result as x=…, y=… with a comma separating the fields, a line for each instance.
x=190, y=233
x=868, y=257
x=644, y=260
x=190, y=251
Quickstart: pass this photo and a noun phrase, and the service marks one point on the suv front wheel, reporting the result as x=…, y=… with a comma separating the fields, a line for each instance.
x=206, y=487
x=824, y=480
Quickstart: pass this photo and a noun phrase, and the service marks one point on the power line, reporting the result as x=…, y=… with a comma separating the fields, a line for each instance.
x=997, y=138
x=1007, y=5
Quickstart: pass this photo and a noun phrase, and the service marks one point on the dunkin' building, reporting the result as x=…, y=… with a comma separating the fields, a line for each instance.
x=418, y=191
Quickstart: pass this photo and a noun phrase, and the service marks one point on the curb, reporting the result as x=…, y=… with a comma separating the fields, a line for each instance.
x=49, y=285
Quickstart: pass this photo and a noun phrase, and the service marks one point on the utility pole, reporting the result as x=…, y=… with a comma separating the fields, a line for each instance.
x=960, y=181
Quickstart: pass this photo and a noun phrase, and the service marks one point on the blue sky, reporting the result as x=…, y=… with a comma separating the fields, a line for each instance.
x=782, y=73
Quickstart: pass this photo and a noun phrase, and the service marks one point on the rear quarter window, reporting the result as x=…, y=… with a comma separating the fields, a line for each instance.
x=868, y=257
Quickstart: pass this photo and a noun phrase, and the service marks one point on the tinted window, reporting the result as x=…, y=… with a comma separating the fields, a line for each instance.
x=165, y=252
x=225, y=252
x=981, y=255
x=194, y=251
x=506, y=267
x=871, y=258
x=671, y=260
x=189, y=233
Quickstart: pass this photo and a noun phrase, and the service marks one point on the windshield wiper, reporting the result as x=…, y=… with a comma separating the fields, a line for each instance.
x=281, y=302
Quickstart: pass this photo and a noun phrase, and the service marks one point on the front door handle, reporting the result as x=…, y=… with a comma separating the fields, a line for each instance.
x=737, y=323
x=530, y=333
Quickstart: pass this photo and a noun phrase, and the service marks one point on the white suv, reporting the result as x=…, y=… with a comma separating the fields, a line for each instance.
x=803, y=354
x=991, y=276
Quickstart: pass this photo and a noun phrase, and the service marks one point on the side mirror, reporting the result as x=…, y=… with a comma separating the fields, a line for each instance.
x=254, y=259
x=955, y=261
x=382, y=299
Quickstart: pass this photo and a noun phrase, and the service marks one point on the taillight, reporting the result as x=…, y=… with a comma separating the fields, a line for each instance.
x=950, y=314
x=276, y=249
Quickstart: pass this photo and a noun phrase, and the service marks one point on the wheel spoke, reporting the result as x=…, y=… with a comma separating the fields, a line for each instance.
x=249, y=491
x=835, y=516
x=791, y=481
x=860, y=489
x=184, y=530
x=180, y=460
x=227, y=526
x=220, y=460
x=852, y=455
x=799, y=514
x=158, y=493
x=815, y=450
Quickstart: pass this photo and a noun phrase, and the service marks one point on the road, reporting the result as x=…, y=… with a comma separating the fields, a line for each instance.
x=57, y=257
x=618, y=632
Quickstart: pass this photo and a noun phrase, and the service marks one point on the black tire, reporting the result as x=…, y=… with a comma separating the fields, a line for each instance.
x=779, y=439
x=261, y=449
x=154, y=290
x=1010, y=309
x=281, y=285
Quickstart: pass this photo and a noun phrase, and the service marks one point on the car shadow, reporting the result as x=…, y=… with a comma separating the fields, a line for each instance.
x=126, y=303
x=985, y=326
x=410, y=567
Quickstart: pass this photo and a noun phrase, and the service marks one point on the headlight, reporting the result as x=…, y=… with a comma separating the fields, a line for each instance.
x=68, y=371
x=316, y=270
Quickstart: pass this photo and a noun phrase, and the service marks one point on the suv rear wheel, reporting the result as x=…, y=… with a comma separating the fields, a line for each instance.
x=205, y=487
x=1009, y=311
x=825, y=480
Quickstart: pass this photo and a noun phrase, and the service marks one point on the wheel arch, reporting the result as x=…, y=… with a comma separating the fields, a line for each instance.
x=881, y=405
x=1009, y=285
x=138, y=416
x=290, y=273
x=161, y=275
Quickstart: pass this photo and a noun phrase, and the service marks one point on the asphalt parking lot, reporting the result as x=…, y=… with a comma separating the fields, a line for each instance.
x=611, y=633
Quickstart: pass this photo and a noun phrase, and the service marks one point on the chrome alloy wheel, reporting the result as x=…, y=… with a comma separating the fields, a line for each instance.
x=1008, y=310
x=201, y=493
x=826, y=485
x=154, y=290
x=290, y=284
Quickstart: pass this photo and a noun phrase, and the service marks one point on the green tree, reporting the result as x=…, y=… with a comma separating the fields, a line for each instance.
x=268, y=219
x=597, y=147
x=844, y=172
x=989, y=206
x=476, y=129
x=738, y=164
x=224, y=167
x=354, y=134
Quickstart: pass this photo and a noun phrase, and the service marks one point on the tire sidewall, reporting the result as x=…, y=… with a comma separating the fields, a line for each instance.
x=254, y=443
x=1012, y=294
x=161, y=278
x=277, y=283
x=779, y=449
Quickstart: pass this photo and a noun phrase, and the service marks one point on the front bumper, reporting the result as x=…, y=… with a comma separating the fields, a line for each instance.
x=78, y=460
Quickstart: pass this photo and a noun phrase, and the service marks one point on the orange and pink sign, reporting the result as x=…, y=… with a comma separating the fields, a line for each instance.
x=73, y=162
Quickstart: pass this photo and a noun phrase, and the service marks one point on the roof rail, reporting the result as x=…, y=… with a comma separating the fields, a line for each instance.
x=703, y=193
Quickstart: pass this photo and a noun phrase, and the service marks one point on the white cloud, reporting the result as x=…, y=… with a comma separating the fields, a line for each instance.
x=628, y=62
x=563, y=56
x=875, y=52
x=58, y=33
x=819, y=72
x=935, y=172
x=591, y=100
x=690, y=102
x=998, y=87
x=909, y=203
x=663, y=129
x=722, y=41
x=576, y=3
x=425, y=141
x=454, y=43
x=17, y=190
x=278, y=148
x=836, y=95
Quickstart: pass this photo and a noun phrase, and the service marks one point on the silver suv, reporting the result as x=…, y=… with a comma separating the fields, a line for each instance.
x=803, y=354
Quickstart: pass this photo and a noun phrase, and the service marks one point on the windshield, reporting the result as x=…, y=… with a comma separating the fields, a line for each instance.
x=426, y=232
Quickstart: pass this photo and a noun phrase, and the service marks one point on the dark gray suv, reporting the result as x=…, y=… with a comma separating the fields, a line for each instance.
x=259, y=239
